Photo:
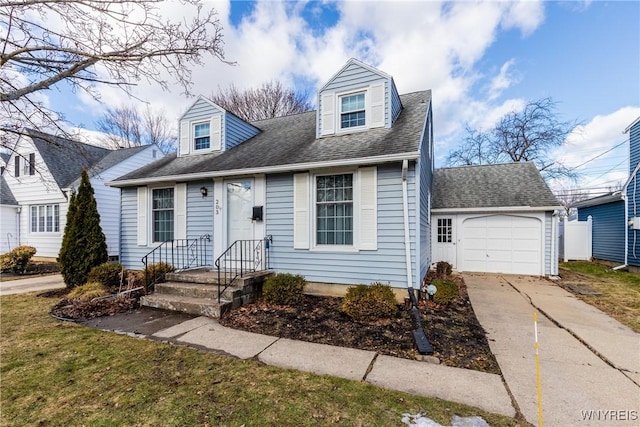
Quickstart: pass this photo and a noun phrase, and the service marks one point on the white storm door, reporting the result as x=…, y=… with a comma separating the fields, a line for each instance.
x=239, y=210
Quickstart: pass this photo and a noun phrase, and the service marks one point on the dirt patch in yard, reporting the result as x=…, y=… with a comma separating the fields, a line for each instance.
x=454, y=332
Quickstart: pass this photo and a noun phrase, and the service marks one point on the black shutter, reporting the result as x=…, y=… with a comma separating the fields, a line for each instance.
x=17, y=172
x=32, y=164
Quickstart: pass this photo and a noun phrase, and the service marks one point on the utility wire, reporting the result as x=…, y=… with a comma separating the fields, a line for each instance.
x=599, y=155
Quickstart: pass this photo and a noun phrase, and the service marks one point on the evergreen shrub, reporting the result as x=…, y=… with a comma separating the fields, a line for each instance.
x=284, y=289
x=447, y=291
x=370, y=302
x=17, y=260
x=108, y=274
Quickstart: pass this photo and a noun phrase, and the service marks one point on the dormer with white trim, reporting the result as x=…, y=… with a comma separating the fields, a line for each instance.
x=208, y=128
x=358, y=97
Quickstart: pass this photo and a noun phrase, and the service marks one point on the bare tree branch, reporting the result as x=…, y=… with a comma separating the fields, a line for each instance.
x=86, y=43
x=269, y=100
x=519, y=136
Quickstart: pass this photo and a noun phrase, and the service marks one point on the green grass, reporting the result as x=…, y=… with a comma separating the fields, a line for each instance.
x=619, y=291
x=54, y=373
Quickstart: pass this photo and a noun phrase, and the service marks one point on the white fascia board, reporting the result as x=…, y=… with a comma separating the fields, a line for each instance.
x=631, y=125
x=268, y=169
x=497, y=209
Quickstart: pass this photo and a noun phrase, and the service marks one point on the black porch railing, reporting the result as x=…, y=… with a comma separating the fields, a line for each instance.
x=181, y=254
x=242, y=257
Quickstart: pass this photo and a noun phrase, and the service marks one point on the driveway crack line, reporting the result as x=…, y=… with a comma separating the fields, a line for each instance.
x=573, y=334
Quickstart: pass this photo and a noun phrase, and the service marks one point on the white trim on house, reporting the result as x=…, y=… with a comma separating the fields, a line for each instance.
x=271, y=169
x=497, y=209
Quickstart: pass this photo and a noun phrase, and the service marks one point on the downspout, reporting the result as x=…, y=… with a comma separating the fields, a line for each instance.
x=626, y=218
x=407, y=240
x=553, y=268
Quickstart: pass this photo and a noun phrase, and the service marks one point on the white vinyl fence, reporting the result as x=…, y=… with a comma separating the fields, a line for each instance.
x=575, y=239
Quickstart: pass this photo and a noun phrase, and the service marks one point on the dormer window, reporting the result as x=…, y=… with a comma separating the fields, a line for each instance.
x=352, y=111
x=201, y=136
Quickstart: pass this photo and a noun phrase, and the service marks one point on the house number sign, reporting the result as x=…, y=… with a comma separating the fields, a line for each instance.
x=218, y=208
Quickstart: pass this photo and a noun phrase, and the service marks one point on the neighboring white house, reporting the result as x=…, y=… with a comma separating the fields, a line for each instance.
x=37, y=182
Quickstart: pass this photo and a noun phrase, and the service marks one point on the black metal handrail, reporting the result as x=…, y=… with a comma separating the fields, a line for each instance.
x=181, y=254
x=243, y=256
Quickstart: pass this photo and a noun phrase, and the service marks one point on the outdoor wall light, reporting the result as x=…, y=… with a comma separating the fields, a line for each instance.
x=204, y=191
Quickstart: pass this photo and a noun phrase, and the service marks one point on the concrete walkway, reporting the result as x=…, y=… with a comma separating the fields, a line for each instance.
x=479, y=389
x=31, y=284
x=590, y=363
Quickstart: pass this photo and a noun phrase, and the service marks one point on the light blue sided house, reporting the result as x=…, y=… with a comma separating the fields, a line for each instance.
x=339, y=195
x=616, y=216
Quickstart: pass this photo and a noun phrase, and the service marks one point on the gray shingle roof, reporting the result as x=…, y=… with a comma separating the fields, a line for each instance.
x=66, y=158
x=5, y=157
x=600, y=200
x=292, y=140
x=6, y=196
x=491, y=186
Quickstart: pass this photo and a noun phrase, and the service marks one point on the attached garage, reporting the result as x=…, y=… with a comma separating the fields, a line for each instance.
x=506, y=225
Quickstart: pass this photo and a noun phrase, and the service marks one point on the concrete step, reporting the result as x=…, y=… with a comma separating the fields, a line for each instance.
x=198, y=306
x=204, y=276
x=196, y=290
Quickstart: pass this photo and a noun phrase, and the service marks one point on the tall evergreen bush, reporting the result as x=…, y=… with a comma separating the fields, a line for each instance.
x=84, y=245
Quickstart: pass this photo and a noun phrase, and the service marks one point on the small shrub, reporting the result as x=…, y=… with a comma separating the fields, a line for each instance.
x=447, y=291
x=443, y=269
x=284, y=289
x=88, y=291
x=369, y=302
x=17, y=260
x=154, y=273
x=108, y=274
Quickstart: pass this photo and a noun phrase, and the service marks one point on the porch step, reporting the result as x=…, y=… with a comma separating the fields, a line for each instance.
x=196, y=290
x=198, y=306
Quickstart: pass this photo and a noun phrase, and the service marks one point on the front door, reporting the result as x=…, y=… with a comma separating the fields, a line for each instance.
x=239, y=210
x=444, y=239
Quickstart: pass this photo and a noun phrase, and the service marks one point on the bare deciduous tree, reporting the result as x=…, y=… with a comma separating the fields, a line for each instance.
x=125, y=126
x=269, y=100
x=88, y=43
x=520, y=136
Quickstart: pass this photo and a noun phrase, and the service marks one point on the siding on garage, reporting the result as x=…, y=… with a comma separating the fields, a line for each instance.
x=386, y=264
x=608, y=230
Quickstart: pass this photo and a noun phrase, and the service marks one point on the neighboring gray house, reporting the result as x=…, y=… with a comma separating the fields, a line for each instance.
x=495, y=218
x=40, y=174
x=342, y=193
x=9, y=212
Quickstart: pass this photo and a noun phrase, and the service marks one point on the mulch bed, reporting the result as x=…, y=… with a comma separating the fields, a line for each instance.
x=453, y=330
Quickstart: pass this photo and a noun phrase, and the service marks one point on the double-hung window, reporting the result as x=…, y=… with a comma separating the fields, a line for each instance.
x=45, y=219
x=445, y=230
x=163, y=214
x=201, y=136
x=334, y=209
x=352, y=111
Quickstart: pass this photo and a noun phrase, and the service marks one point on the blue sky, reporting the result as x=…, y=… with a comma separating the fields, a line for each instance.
x=481, y=60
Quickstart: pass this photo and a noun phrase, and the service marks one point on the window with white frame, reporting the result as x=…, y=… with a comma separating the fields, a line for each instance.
x=445, y=230
x=162, y=214
x=352, y=110
x=201, y=136
x=334, y=209
x=45, y=219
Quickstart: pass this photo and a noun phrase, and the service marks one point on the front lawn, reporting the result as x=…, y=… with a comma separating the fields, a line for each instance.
x=58, y=373
x=619, y=291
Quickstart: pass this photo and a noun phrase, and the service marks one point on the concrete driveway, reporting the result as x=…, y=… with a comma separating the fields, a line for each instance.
x=590, y=363
x=32, y=284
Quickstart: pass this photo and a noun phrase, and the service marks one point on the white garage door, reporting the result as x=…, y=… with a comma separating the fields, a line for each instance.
x=502, y=244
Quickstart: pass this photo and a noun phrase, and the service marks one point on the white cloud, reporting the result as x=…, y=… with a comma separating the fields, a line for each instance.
x=502, y=81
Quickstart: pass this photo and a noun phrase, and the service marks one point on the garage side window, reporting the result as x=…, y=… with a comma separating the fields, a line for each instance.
x=444, y=230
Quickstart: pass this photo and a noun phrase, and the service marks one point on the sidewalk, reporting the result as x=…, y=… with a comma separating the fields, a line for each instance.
x=31, y=284
x=479, y=389
x=588, y=380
